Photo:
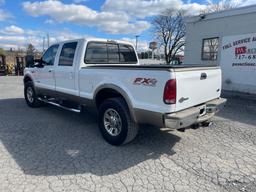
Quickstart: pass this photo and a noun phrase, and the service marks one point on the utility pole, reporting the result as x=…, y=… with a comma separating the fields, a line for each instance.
x=43, y=43
x=137, y=39
x=48, y=40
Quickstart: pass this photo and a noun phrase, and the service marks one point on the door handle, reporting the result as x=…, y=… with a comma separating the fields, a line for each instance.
x=70, y=75
x=203, y=76
x=51, y=70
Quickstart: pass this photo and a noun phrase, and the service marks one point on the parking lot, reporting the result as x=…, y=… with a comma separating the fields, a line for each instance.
x=49, y=149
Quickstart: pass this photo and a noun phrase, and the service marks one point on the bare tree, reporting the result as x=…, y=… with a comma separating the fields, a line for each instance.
x=169, y=28
x=2, y=52
x=31, y=49
x=219, y=6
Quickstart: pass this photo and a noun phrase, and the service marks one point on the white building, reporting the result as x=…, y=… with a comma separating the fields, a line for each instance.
x=228, y=39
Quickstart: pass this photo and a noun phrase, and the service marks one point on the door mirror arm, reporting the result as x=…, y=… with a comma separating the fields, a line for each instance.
x=39, y=63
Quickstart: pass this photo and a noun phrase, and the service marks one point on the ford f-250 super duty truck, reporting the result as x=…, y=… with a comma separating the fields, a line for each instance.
x=106, y=75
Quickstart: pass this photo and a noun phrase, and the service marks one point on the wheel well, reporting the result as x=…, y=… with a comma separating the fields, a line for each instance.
x=27, y=79
x=106, y=94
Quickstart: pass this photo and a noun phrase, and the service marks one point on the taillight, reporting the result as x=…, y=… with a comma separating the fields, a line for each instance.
x=169, y=96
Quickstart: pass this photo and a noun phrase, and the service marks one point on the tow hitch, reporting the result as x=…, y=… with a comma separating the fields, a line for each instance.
x=197, y=126
x=207, y=124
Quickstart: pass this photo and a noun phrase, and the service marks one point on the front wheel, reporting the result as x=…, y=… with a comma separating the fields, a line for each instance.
x=115, y=122
x=30, y=95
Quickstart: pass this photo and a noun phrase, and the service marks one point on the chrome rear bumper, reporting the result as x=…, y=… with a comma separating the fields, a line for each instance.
x=194, y=115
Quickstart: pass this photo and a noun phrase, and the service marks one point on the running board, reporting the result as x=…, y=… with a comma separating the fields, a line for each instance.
x=60, y=106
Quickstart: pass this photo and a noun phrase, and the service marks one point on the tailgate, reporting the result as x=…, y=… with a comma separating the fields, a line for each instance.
x=197, y=86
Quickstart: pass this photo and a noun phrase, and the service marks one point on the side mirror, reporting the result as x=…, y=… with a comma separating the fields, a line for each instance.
x=29, y=60
x=38, y=63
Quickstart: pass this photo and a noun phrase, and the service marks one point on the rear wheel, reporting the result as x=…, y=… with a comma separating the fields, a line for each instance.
x=115, y=122
x=30, y=95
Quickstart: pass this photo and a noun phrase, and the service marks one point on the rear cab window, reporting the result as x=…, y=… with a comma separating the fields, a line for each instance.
x=127, y=54
x=109, y=53
x=96, y=53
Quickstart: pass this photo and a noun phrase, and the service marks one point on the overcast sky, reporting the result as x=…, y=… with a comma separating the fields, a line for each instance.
x=23, y=22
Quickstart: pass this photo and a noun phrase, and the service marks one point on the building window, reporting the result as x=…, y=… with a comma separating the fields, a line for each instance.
x=210, y=49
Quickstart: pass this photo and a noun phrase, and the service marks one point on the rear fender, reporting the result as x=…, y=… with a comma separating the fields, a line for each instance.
x=125, y=94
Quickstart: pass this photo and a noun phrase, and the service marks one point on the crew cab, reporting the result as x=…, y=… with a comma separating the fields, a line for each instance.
x=106, y=75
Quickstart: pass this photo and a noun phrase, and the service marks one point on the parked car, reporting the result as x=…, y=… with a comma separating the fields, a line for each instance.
x=106, y=75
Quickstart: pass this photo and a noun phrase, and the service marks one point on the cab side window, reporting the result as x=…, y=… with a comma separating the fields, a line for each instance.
x=67, y=54
x=49, y=56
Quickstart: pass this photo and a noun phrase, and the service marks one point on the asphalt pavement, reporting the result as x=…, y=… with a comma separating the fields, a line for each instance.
x=50, y=149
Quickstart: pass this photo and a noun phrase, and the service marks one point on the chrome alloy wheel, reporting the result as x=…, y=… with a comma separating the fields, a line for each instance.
x=30, y=94
x=112, y=122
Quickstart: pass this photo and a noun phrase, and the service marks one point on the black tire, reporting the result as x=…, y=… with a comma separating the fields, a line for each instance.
x=129, y=128
x=31, y=102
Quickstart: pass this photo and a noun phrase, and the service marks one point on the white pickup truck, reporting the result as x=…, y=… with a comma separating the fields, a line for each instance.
x=106, y=75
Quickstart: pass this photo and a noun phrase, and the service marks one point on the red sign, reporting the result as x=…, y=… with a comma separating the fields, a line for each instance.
x=240, y=50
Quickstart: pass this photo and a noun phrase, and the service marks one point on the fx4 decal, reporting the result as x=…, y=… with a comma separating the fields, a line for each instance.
x=145, y=81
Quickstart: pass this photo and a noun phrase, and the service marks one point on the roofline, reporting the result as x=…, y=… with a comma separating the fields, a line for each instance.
x=109, y=40
x=96, y=39
x=225, y=13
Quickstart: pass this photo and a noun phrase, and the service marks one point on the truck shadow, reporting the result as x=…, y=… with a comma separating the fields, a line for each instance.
x=241, y=108
x=51, y=141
